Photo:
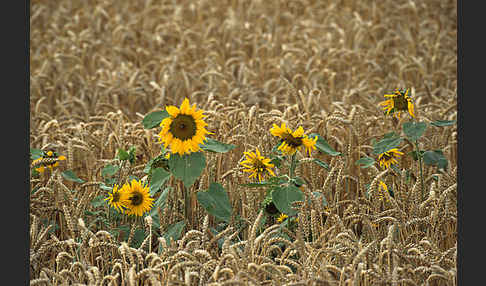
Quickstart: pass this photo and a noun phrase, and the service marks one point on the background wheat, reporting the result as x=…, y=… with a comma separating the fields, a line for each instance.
x=97, y=67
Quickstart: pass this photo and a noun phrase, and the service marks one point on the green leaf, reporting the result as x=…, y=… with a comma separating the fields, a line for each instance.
x=216, y=202
x=174, y=231
x=36, y=153
x=365, y=162
x=138, y=237
x=159, y=177
x=435, y=158
x=390, y=135
x=109, y=170
x=70, y=176
x=322, y=164
x=283, y=197
x=386, y=144
x=122, y=154
x=212, y=145
x=442, y=123
x=160, y=202
x=131, y=154
x=98, y=201
x=415, y=155
x=323, y=146
x=188, y=167
x=105, y=187
x=154, y=119
x=414, y=130
x=146, y=170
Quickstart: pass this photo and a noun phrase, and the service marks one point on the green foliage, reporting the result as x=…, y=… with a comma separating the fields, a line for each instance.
x=414, y=130
x=442, y=123
x=283, y=197
x=365, y=162
x=386, y=144
x=109, y=170
x=174, y=231
x=36, y=153
x=215, y=146
x=216, y=202
x=154, y=119
x=158, y=178
x=71, y=176
x=188, y=167
x=124, y=155
x=321, y=164
x=323, y=146
x=436, y=158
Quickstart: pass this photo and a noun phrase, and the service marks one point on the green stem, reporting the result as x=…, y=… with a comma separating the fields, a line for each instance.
x=421, y=170
x=293, y=164
x=187, y=204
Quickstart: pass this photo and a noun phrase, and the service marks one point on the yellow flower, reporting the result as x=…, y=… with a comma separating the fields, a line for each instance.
x=50, y=160
x=292, y=141
x=382, y=188
x=118, y=198
x=398, y=102
x=138, y=198
x=387, y=158
x=256, y=164
x=282, y=217
x=183, y=129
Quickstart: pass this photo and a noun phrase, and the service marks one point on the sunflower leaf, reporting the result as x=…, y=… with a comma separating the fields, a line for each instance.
x=36, y=153
x=441, y=123
x=435, y=158
x=159, y=177
x=212, y=145
x=188, y=167
x=283, y=197
x=365, y=162
x=414, y=130
x=174, y=231
x=322, y=164
x=109, y=170
x=216, y=202
x=71, y=176
x=386, y=144
x=323, y=146
x=154, y=119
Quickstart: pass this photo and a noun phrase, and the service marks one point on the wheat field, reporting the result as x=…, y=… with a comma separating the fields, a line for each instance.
x=97, y=68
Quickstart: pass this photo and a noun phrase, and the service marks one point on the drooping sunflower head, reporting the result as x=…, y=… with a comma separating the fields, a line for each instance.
x=50, y=159
x=138, y=198
x=258, y=165
x=118, y=198
x=184, y=129
x=389, y=158
x=290, y=141
x=398, y=102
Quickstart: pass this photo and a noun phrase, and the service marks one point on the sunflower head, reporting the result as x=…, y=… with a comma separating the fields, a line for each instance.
x=389, y=158
x=290, y=141
x=138, y=198
x=258, y=165
x=282, y=217
x=382, y=188
x=398, y=102
x=50, y=159
x=118, y=198
x=183, y=130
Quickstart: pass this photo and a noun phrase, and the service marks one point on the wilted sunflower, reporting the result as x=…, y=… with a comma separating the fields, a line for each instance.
x=257, y=164
x=398, y=102
x=50, y=160
x=292, y=141
x=138, y=198
x=183, y=129
x=387, y=158
x=118, y=198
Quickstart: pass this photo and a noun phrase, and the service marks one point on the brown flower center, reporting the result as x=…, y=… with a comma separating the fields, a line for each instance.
x=136, y=199
x=183, y=127
x=291, y=140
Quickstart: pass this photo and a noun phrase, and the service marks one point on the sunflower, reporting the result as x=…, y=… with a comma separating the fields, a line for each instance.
x=382, y=188
x=138, y=198
x=387, y=158
x=183, y=129
x=118, y=198
x=398, y=102
x=50, y=160
x=282, y=217
x=257, y=164
x=292, y=141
